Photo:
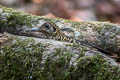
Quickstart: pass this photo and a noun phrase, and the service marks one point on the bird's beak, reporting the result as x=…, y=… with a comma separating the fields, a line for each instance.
x=33, y=30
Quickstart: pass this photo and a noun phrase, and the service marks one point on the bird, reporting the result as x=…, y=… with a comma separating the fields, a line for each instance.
x=52, y=31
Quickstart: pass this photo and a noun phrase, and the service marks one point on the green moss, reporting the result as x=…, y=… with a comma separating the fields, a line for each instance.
x=57, y=66
x=19, y=19
x=95, y=68
x=19, y=60
x=23, y=60
x=15, y=17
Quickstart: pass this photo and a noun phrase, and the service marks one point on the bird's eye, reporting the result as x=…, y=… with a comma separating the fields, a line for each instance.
x=47, y=26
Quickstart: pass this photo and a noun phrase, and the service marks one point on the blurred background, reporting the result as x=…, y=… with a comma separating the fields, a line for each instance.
x=75, y=10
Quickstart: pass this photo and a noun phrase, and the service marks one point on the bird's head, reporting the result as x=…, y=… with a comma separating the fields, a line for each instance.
x=48, y=29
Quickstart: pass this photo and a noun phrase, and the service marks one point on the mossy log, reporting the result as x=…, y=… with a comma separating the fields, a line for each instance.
x=28, y=58
x=101, y=34
x=25, y=58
